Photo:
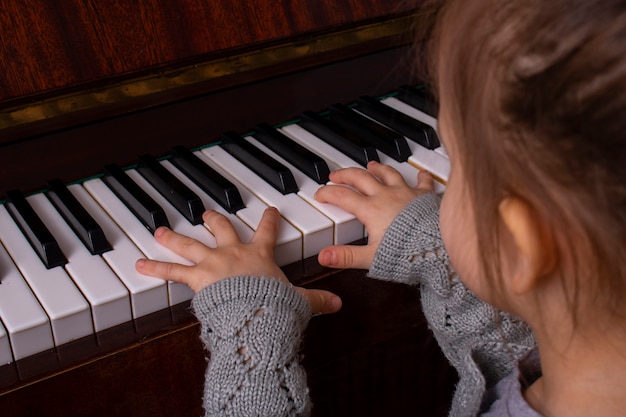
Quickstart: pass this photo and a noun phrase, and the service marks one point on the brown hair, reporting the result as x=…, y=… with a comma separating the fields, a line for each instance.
x=536, y=93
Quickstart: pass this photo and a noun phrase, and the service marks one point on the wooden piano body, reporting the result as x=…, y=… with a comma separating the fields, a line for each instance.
x=86, y=83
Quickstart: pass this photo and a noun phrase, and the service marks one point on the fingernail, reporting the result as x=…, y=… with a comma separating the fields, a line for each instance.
x=336, y=303
x=315, y=196
x=159, y=231
x=328, y=257
x=140, y=263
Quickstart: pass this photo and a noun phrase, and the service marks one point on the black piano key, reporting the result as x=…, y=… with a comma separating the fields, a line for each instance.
x=170, y=187
x=272, y=171
x=413, y=129
x=420, y=98
x=385, y=140
x=212, y=182
x=40, y=238
x=308, y=162
x=81, y=222
x=338, y=137
x=141, y=204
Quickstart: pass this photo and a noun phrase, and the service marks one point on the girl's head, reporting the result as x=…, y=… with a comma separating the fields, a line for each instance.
x=533, y=106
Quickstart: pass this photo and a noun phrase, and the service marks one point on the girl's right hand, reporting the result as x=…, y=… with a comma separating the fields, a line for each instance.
x=230, y=258
x=375, y=197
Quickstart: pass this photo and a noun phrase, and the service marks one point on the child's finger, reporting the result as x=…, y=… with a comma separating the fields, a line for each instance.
x=341, y=196
x=347, y=256
x=267, y=230
x=386, y=174
x=321, y=301
x=184, y=246
x=362, y=180
x=163, y=270
x=221, y=227
x=425, y=181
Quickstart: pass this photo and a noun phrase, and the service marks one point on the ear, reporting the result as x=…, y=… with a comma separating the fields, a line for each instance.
x=535, y=255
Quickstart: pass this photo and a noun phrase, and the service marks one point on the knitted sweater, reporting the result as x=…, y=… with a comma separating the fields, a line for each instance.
x=252, y=326
x=482, y=343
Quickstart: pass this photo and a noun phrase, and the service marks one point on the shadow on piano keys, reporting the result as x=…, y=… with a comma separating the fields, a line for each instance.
x=51, y=334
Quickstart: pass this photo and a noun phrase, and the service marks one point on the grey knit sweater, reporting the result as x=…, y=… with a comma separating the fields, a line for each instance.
x=252, y=327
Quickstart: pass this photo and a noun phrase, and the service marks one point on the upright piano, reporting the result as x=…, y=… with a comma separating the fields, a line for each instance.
x=93, y=94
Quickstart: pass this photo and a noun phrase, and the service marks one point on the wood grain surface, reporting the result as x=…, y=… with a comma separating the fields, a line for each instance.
x=47, y=46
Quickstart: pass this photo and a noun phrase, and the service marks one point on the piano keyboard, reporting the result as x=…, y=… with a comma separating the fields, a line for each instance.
x=67, y=254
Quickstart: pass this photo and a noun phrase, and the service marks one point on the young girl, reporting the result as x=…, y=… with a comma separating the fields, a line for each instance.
x=533, y=221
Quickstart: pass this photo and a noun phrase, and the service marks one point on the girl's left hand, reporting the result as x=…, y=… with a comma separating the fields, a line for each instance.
x=375, y=197
x=230, y=258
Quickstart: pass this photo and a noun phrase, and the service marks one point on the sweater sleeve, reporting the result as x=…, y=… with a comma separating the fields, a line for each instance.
x=482, y=343
x=252, y=328
x=412, y=245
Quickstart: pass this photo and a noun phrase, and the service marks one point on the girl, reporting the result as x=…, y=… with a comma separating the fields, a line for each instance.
x=532, y=219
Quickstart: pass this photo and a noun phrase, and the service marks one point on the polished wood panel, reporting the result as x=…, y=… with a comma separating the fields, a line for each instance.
x=47, y=46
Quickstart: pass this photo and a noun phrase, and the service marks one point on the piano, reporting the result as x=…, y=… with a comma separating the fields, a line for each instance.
x=115, y=118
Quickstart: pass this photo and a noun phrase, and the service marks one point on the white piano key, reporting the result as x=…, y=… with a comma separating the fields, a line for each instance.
x=140, y=236
x=409, y=170
x=422, y=158
x=347, y=228
x=177, y=221
x=244, y=231
x=431, y=161
x=107, y=296
x=25, y=320
x=5, y=347
x=333, y=157
x=435, y=161
x=409, y=110
x=317, y=229
x=67, y=309
x=147, y=294
x=289, y=240
x=442, y=151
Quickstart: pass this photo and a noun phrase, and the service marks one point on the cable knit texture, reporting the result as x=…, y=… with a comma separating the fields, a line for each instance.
x=483, y=344
x=252, y=328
